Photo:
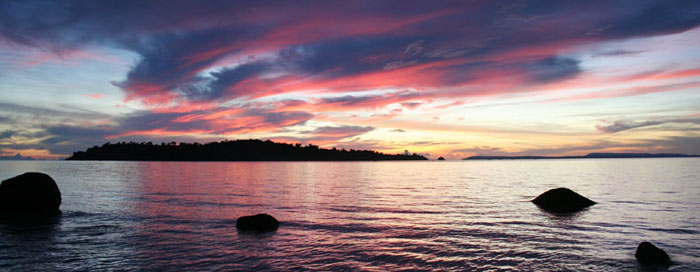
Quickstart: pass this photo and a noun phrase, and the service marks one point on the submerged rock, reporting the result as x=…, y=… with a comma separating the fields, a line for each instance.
x=260, y=223
x=562, y=200
x=29, y=195
x=648, y=253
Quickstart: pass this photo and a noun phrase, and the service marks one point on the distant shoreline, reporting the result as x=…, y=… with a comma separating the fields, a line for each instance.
x=588, y=156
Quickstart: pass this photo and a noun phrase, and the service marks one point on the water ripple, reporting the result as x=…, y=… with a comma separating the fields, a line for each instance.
x=464, y=216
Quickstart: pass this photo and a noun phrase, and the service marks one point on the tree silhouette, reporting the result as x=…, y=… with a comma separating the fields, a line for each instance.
x=236, y=150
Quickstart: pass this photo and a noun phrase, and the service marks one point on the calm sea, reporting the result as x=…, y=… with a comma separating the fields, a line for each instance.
x=359, y=216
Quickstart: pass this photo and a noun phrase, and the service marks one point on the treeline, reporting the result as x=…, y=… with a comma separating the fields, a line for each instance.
x=588, y=156
x=238, y=150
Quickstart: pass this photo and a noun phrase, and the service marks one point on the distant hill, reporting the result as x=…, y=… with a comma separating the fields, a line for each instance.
x=16, y=157
x=589, y=156
x=238, y=150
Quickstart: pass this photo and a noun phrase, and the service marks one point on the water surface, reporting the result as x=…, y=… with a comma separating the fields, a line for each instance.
x=354, y=216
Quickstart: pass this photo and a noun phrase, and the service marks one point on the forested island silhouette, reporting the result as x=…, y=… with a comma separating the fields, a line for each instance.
x=230, y=150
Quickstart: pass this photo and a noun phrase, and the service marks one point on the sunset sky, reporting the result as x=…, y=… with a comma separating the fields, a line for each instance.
x=440, y=78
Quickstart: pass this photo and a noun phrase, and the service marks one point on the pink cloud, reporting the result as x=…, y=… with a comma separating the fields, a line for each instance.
x=94, y=96
x=630, y=91
x=34, y=58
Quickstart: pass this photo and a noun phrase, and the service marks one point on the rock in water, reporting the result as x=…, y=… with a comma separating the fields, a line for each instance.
x=562, y=200
x=648, y=253
x=259, y=223
x=29, y=195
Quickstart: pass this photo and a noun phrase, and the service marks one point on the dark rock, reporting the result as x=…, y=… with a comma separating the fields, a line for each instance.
x=259, y=223
x=29, y=195
x=441, y=159
x=562, y=200
x=647, y=253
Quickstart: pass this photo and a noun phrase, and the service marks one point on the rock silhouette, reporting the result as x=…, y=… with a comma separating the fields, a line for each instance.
x=562, y=200
x=648, y=253
x=441, y=159
x=258, y=223
x=29, y=195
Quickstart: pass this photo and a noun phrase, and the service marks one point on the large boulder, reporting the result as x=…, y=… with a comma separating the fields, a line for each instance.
x=562, y=200
x=257, y=223
x=648, y=253
x=29, y=195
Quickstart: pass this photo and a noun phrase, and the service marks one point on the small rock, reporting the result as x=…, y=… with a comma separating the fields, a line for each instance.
x=648, y=253
x=562, y=200
x=258, y=223
x=29, y=195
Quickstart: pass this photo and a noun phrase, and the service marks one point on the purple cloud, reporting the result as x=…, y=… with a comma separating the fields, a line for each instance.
x=620, y=125
x=176, y=44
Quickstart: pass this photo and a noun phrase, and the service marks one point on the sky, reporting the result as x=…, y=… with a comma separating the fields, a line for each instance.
x=439, y=78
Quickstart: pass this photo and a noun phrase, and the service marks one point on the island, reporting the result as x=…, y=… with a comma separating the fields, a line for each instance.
x=588, y=156
x=230, y=150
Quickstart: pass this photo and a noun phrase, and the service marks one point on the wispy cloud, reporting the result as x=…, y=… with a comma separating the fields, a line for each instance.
x=618, y=126
x=622, y=125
